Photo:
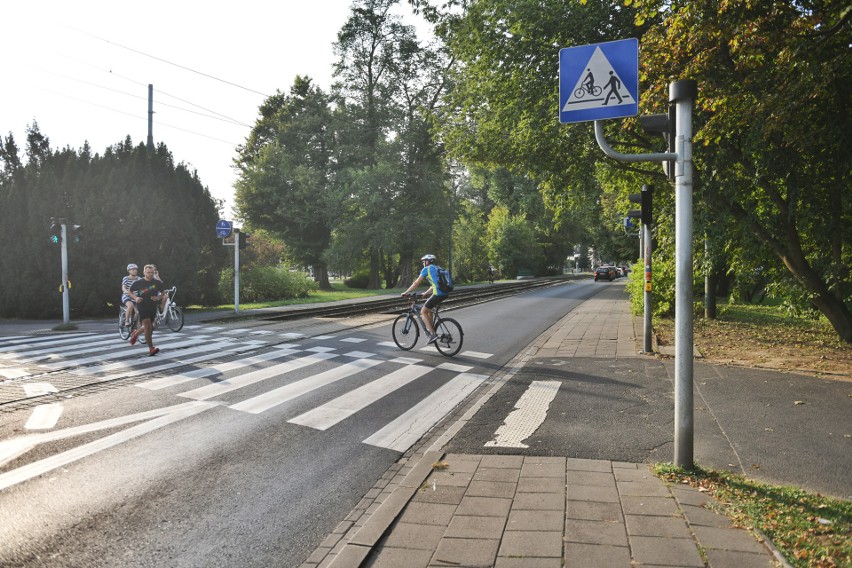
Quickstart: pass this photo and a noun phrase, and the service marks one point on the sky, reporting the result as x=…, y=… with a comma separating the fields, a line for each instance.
x=81, y=70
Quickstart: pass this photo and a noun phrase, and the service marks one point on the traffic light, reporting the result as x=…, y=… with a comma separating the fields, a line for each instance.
x=55, y=232
x=244, y=240
x=76, y=234
x=645, y=199
x=664, y=124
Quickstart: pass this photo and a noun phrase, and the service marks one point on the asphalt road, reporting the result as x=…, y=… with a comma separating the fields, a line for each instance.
x=184, y=475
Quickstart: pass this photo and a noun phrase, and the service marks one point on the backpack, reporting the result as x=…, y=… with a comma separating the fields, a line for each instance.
x=445, y=280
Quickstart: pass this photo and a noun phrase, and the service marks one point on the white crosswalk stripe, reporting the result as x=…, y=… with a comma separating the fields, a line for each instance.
x=400, y=434
x=172, y=380
x=35, y=343
x=228, y=385
x=325, y=416
x=260, y=403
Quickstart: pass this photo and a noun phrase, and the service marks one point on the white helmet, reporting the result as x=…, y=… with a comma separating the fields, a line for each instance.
x=131, y=266
x=429, y=257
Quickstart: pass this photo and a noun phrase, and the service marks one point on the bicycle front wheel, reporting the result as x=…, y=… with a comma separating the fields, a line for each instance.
x=124, y=326
x=174, y=318
x=450, y=337
x=405, y=332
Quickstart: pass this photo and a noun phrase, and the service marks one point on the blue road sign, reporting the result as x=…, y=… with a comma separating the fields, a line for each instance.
x=599, y=81
x=223, y=228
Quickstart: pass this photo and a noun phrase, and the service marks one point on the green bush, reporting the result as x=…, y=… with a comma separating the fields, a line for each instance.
x=266, y=283
x=662, y=286
x=358, y=280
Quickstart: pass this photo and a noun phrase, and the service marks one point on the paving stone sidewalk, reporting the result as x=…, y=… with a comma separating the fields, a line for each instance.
x=434, y=509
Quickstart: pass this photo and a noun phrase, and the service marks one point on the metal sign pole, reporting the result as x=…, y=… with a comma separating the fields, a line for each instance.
x=66, y=310
x=236, y=271
x=682, y=94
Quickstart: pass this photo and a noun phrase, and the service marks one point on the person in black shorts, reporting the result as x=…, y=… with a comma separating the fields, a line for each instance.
x=147, y=292
x=435, y=295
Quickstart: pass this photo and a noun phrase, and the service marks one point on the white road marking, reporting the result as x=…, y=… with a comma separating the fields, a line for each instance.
x=15, y=447
x=353, y=340
x=31, y=342
x=265, y=401
x=228, y=385
x=38, y=389
x=386, y=344
x=477, y=354
x=196, y=340
x=179, y=356
x=79, y=347
x=14, y=372
x=325, y=416
x=400, y=434
x=454, y=367
x=529, y=414
x=44, y=417
x=406, y=360
x=172, y=380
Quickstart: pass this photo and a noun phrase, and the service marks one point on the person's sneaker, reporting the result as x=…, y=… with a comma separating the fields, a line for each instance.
x=154, y=351
x=432, y=338
x=134, y=336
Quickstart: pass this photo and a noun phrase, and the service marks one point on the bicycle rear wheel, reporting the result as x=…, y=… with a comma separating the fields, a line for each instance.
x=124, y=326
x=174, y=318
x=450, y=337
x=405, y=332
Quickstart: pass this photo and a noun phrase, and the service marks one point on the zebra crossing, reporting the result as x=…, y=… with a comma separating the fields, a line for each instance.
x=278, y=374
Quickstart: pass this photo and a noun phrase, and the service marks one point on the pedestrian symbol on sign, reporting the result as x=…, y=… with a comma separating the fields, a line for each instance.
x=587, y=95
x=599, y=81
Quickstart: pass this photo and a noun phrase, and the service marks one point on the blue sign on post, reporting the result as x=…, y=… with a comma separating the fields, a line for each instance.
x=223, y=228
x=599, y=81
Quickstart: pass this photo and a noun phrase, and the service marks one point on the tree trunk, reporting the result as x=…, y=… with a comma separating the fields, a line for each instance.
x=789, y=249
x=375, y=266
x=321, y=276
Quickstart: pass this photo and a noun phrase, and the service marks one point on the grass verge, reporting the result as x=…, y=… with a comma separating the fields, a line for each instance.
x=810, y=530
x=766, y=336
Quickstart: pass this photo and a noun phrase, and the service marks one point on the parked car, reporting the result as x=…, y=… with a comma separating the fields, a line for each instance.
x=605, y=273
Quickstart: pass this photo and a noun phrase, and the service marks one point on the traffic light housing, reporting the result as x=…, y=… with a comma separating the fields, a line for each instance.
x=664, y=124
x=244, y=240
x=645, y=199
x=55, y=232
x=76, y=233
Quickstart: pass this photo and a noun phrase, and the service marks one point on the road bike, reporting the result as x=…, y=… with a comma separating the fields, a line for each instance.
x=594, y=90
x=168, y=313
x=406, y=330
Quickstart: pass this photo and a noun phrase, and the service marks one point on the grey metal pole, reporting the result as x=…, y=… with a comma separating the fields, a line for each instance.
x=236, y=271
x=66, y=310
x=682, y=94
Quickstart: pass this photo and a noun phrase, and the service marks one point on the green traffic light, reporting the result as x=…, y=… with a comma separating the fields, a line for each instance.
x=55, y=239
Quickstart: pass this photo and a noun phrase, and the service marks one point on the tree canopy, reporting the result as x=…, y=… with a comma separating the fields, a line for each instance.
x=132, y=206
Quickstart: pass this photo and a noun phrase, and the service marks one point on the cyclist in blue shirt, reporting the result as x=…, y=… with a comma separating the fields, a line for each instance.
x=430, y=273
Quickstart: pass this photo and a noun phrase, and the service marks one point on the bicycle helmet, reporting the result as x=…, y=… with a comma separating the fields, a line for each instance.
x=429, y=257
x=131, y=266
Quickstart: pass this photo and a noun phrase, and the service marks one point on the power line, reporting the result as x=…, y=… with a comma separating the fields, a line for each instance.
x=136, y=116
x=171, y=63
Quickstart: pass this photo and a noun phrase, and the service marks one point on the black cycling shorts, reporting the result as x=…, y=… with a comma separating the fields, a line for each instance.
x=434, y=301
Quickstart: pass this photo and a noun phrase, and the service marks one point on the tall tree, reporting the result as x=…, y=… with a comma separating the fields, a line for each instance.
x=132, y=206
x=773, y=135
x=390, y=166
x=285, y=172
